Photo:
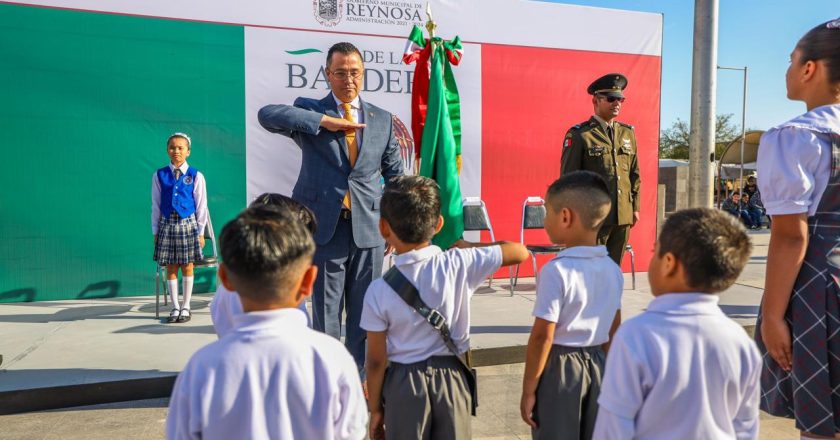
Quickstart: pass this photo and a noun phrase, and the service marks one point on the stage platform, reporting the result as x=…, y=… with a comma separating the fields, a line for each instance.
x=68, y=353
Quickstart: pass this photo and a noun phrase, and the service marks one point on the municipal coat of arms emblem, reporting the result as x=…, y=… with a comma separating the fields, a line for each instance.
x=328, y=12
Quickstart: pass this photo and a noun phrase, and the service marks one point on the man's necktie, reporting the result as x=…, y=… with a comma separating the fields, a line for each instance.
x=610, y=132
x=352, y=145
x=177, y=173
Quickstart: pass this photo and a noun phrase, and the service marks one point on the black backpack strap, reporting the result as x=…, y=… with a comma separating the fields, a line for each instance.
x=400, y=284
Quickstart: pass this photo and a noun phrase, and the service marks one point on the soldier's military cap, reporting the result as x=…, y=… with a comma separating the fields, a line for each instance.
x=611, y=84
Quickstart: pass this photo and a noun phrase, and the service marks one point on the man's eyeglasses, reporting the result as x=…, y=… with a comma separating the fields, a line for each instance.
x=611, y=99
x=342, y=75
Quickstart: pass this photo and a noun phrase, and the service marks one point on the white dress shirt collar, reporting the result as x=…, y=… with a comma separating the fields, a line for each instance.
x=269, y=320
x=417, y=255
x=355, y=111
x=355, y=104
x=584, y=252
x=686, y=304
x=823, y=119
x=184, y=167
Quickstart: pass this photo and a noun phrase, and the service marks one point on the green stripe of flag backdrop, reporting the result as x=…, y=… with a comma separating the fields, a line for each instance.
x=86, y=103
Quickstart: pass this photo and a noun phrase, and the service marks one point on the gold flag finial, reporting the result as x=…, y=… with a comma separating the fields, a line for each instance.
x=430, y=23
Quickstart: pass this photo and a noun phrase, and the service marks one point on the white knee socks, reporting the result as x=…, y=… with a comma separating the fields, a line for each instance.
x=172, y=285
x=188, y=286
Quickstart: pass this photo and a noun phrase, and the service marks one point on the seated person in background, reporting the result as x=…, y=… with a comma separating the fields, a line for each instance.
x=226, y=305
x=270, y=376
x=754, y=206
x=754, y=214
x=736, y=207
x=750, y=188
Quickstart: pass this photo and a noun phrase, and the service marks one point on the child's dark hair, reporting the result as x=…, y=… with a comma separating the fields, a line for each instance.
x=823, y=43
x=411, y=206
x=283, y=202
x=712, y=246
x=585, y=193
x=263, y=249
x=342, y=48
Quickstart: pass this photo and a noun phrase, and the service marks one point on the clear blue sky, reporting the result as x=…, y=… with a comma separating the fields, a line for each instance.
x=759, y=34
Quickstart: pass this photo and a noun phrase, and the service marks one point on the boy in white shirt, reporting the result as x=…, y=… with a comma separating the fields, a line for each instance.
x=682, y=369
x=271, y=376
x=226, y=305
x=576, y=313
x=425, y=390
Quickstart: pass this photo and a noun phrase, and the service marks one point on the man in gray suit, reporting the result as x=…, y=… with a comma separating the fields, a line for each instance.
x=348, y=145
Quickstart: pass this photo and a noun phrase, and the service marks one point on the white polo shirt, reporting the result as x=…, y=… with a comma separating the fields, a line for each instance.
x=270, y=377
x=446, y=282
x=226, y=305
x=682, y=369
x=580, y=290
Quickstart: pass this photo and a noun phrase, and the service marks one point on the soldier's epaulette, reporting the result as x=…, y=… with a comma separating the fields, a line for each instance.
x=626, y=125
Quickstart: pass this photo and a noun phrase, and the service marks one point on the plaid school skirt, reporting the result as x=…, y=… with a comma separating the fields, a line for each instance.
x=810, y=393
x=177, y=240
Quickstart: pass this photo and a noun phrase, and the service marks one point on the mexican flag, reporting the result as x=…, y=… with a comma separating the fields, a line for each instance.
x=436, y=122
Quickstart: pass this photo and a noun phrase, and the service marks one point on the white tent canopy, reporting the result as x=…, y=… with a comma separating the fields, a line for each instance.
x=671, y=163
x=733, y=171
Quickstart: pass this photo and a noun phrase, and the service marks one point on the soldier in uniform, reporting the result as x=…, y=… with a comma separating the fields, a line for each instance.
x=608, y=147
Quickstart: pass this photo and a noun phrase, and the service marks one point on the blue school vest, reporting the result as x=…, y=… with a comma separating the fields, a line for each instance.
x=177, y=195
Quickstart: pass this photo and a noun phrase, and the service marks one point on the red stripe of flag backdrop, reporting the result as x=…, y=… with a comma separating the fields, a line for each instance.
x=530, y=97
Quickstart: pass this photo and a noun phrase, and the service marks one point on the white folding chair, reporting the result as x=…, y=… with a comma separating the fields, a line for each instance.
x=476, y=218
x=533, y=217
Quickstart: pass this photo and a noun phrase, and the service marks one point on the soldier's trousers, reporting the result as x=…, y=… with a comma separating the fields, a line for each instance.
x=615, y=238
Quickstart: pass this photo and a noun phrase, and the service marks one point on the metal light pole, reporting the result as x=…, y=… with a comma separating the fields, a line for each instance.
x=743, y=128
x=703, y=88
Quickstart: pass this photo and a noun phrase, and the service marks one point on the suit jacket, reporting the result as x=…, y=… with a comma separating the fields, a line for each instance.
x=587, y=147
x=325, y=172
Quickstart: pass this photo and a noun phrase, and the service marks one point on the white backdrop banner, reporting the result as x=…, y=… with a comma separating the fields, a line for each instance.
x=281, y=65
x=512, y=22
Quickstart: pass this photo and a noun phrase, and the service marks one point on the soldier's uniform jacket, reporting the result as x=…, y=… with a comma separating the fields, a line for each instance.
x=587, y=147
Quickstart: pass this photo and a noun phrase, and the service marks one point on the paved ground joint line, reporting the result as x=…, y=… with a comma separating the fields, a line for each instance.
x=34, y=346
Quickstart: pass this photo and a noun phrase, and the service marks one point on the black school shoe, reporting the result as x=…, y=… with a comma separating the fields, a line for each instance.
x=184, y=316
x=173, y=316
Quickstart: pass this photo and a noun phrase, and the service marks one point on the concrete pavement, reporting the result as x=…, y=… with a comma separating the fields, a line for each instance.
x=59, y=343
x=498, y=416
x=65, y=353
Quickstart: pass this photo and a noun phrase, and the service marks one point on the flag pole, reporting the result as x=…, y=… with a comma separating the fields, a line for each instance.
x=430, y=22
x=440, y=134
x=430, y=27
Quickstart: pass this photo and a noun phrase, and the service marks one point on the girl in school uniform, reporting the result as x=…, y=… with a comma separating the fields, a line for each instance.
x=799, y=322
x=179, y=215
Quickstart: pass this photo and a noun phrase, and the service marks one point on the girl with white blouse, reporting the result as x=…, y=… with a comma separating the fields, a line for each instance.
x=799, y=179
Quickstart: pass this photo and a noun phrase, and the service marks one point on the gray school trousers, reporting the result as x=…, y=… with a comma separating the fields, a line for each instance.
x=427, y=400
x=567, y=394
